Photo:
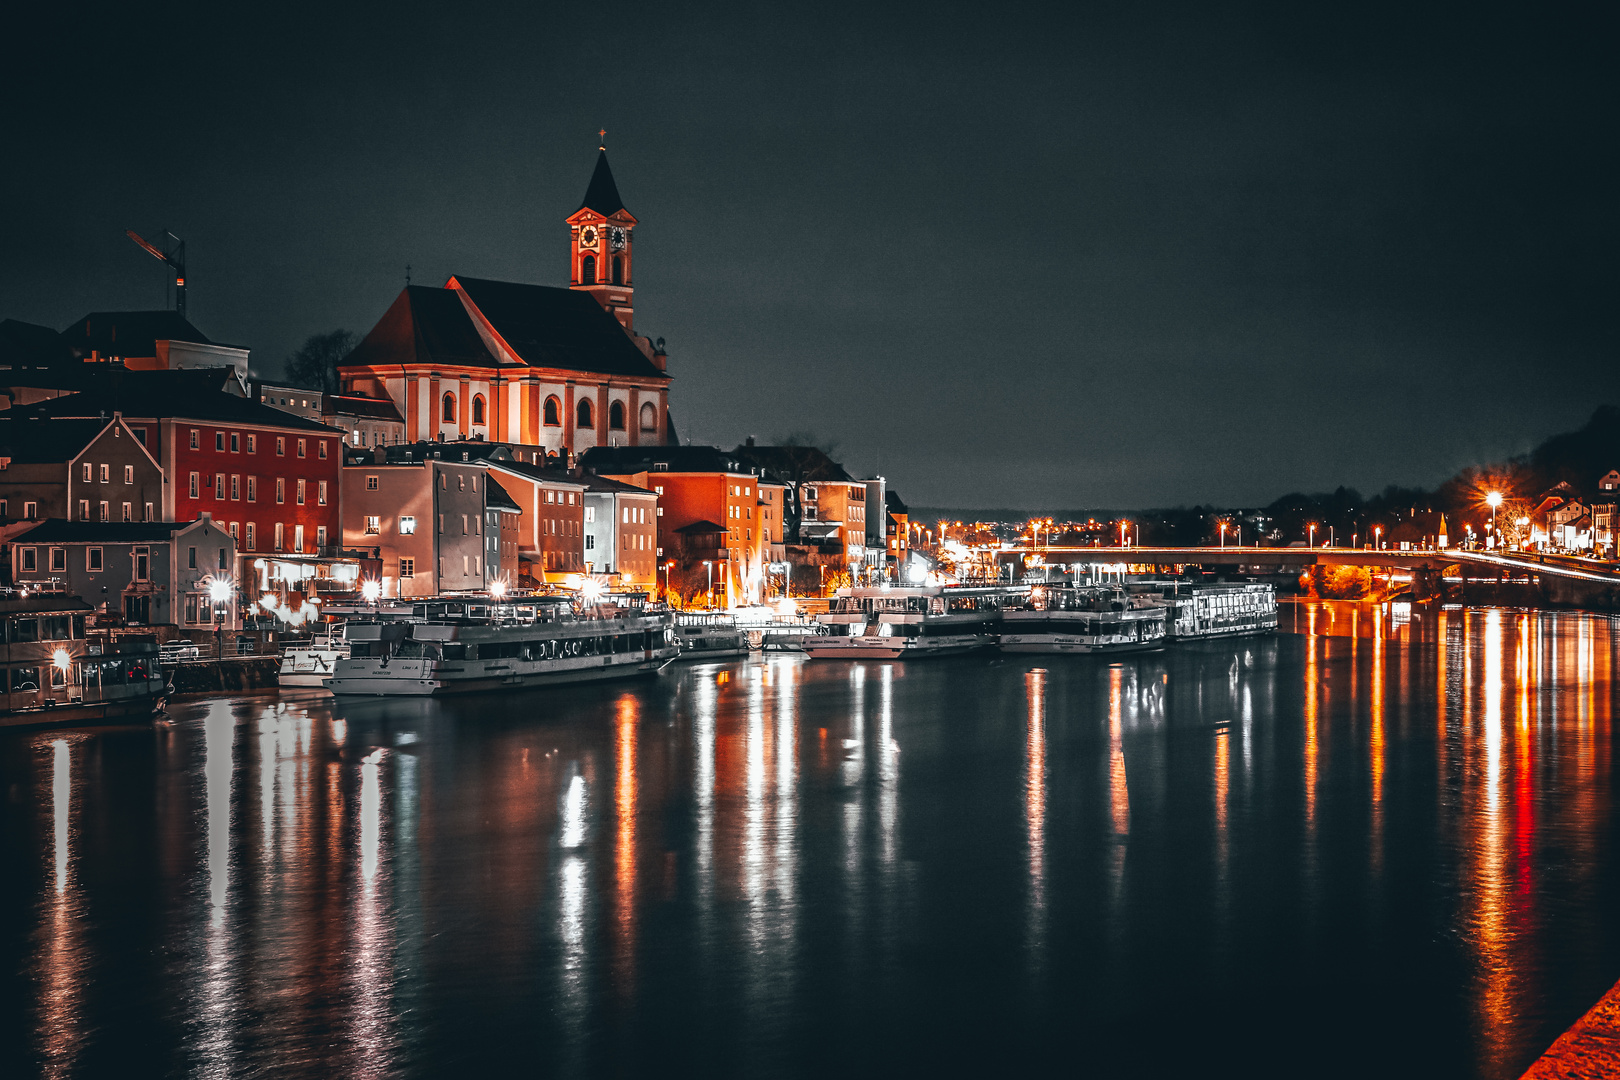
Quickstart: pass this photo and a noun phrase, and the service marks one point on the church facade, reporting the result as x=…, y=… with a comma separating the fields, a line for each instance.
x=556, y=368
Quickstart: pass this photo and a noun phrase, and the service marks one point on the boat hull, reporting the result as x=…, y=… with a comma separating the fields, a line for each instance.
x=872, y=647
x=82, y=713
x=403, y=678
x=1055, y=643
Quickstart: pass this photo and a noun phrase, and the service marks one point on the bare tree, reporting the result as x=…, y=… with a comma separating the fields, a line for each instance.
x=314, y=364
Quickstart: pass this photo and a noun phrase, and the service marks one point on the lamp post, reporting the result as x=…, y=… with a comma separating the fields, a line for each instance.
x=1378, y=537
x=1223, y=536
x=1493, y=500
x=1312, y=543
x=219, y=594
x=709, y=566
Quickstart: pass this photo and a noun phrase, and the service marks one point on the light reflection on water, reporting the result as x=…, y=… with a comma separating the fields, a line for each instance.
x=1391, y=835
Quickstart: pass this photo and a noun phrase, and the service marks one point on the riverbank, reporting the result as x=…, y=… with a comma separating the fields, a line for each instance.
x=1590, y=1048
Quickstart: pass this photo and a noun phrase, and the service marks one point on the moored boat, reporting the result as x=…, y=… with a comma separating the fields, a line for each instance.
x=442, y=647
x=710, y=635
x=56, y=675
x=310, y=666
x=1068, y=618
x=910, y=621
x=1225, y=609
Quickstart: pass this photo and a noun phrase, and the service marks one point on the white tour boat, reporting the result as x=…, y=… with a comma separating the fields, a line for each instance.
x=1220, y=610
x=476, y=646
x=309, y=666
x=1084, y=619
x=910, y=621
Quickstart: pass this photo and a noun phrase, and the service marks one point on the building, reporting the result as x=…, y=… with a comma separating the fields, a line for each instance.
x=269, y=477
x=77, y=470
x=297, y=400
x=145, y=573
x=149, y=341
x=555, y=368
x=876, y=516
x=367, y=421
x=621, y=531
x=699, y=486
x=825, y=512
x=897, y=530
x=426, y=519
x=551, y=525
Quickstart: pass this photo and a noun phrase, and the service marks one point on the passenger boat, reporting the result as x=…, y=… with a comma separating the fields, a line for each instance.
x=309, y=666
x=910, y=621
x=441, y=647
x=710, y=635
x=1219, y=610
x=54, y=675
x=1084, y=619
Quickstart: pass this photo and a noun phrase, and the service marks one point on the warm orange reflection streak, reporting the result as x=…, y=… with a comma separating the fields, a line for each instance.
x=1493, y=934
x=624, y=801
x=1118, y=789
x=1377, y=748
x=1035, y=785
x=1310, y=728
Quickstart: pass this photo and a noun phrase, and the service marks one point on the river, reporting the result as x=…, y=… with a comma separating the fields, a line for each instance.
x=1382, y=843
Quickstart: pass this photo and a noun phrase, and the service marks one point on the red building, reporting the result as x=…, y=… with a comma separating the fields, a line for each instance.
x=268, y=477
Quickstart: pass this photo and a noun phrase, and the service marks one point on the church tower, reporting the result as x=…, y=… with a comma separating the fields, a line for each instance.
x=601, y=238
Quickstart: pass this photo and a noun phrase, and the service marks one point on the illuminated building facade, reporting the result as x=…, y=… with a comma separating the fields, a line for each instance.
x=557, y=369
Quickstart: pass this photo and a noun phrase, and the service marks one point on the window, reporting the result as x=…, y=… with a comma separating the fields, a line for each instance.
x=196, y=485
x=128, y=512
x=219, y=441
x=373, y=525
x=58, y=560
x=441, y=523
x=407, y=526
x=143, y=563
x=253, y=444
x=219, y=485
x=222, y=559
x=587, y=270
x=236, y=530
x=371, y=483
x=280, y=535
x=301, y=447
x=129, y=474
x=618, y=270
x=236, y=443
x=590, y=541
x=590, y=514
x=626, y=520
x=30, y=560
x=320, y=536
x=478, y=409
x=196, y=437
x=88, y=474
x=463, y=524
x=191, y=558
x=300, y=495
x=407, y=568
x=571, y=495
x=447, y=411
x=320, y=449
x=148, y=516
x=616, y=413
x=236, y=486
x=252, y=537
x=191, y=607
x=84, y=509
x=553, y=412
x=461, y=483
x=281, y=446
x=582, y=415
x=253, y=489
x=320, y=492
x=649, y=417
x=281, y=489
x=551, y=496
x=106, y=511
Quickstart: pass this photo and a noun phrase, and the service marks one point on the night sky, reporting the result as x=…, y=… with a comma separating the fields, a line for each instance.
x=1009, y=256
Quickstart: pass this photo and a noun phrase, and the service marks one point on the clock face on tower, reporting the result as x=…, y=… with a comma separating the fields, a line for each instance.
x=587, y=236
x=616, y=238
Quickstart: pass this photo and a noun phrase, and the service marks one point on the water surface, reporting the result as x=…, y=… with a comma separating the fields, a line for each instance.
x=1382, y=844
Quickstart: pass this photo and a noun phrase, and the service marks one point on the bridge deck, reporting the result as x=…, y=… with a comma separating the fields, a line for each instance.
x=1299, y=558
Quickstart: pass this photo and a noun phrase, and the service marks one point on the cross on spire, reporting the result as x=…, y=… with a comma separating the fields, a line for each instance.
x=603, y=136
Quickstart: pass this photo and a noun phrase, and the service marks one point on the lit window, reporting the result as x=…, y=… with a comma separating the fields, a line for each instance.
x=253, y=444
x=196, y=485
x=301, y=447
x=320, y=492
x=196, y=439
x=89, y=475
x=320, y=449
x=129, y=474
x=373, y=525
x=300, y=495
x=407, y=526
x=281, y=446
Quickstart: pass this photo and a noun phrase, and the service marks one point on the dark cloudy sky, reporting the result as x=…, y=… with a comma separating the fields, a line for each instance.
x=1113, y=255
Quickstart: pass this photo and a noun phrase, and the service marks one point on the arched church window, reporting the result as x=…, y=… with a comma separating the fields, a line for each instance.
x=587, y=270
x=478, y=409
x=449, y=408
x=649, y=417
x=618, y=270
x=616, y=416
x=553, y=412
x=582, y=415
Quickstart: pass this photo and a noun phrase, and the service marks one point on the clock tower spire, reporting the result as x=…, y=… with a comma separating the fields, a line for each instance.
x=601, y=238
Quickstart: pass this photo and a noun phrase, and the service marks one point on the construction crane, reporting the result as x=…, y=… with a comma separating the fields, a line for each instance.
x=176, y=261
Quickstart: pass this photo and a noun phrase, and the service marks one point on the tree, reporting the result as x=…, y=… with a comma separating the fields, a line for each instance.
x=314, y=364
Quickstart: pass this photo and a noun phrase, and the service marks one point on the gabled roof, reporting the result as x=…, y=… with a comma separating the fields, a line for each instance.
x=603, y=194
x=794, y=463
x=29, y=345
x=46, y=442
x=59, y=531
x=557, y=328
x=496, y=498
x=632, y=459
x=892, y=503
x=534, y=472
x=614, y=487
x=130, y=333
x=699, y=528
x=360, y=405
x=423, y=325
x=185, y=394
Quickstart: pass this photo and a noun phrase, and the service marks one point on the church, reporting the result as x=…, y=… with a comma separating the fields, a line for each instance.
x=559, y=369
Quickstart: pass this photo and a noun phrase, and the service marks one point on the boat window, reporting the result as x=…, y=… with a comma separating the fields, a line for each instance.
x=24, y=679
x=455, y=651
x=25, y=630
x=54, y=628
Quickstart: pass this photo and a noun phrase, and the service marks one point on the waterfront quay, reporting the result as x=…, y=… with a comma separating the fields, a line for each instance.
x=1379, y=842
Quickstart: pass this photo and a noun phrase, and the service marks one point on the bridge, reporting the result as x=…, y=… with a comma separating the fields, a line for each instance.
x=1561, y=579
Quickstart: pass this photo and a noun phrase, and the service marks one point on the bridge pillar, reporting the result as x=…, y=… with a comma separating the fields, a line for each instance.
x=1428, y=583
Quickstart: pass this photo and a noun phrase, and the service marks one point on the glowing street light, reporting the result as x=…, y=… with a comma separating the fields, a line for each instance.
x=708, y=565
x=371, y=590
x=1223, y=534
x=1313, y=535
x=497, y=589
x=1493, y=500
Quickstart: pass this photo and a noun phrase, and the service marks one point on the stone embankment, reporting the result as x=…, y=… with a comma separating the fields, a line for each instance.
x=1590, y=1048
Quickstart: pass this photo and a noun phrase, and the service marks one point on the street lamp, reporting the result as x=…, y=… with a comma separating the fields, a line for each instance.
x=1312, y=543
x=219, y=594
x=1493, y=500
x=1223, y=535
x=1378, y=538
x=371, y=591
x=668, y=566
